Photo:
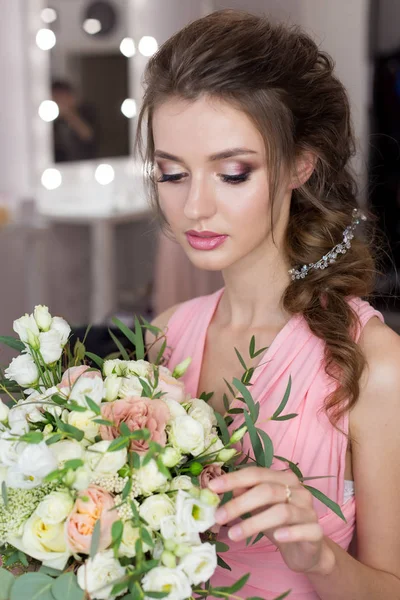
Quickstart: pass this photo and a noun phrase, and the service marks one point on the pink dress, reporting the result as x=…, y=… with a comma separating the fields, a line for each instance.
x=309, y=439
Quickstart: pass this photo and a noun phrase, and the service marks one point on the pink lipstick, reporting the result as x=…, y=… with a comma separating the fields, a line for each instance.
x=205, y=240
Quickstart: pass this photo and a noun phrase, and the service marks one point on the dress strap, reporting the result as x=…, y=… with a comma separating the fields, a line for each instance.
x=364, y=311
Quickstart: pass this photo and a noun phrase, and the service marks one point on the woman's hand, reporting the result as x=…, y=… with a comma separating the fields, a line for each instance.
x=282, y=509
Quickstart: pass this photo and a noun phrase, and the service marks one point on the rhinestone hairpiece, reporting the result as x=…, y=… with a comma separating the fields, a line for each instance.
x=331, y=256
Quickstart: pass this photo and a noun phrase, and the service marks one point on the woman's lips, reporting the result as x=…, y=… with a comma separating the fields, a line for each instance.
x=205, y=240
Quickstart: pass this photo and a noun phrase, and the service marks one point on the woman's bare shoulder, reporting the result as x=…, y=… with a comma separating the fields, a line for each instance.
x=161, y=322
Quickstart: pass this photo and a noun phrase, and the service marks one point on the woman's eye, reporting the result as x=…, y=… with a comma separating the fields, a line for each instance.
x=172, y=178
x=234, y=179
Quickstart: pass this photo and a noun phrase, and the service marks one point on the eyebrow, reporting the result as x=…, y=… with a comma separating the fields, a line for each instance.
x=213, y=157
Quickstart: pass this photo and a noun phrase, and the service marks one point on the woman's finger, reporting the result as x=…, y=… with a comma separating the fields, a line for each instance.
x=278, y=516
x=262, y=495
x=310, y=532
x=250, y=477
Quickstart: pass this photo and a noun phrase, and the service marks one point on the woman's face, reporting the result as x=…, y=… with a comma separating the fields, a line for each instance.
x=213, y=182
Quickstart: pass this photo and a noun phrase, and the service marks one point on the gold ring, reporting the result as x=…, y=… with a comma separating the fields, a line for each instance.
x=288, y=494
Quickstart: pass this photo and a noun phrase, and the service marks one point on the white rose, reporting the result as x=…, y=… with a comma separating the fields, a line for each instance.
x=42, y=537
x=200, y=564
x=84, y=422
x=150, y=480
x=61, y=326
x=203, y=413
x=102, y=462
x=98, y=575
x=161, y=579
x=130, y=386
x=4, y=410
x=171, y=457
x=141, y=368
x=80, y=479
x=24, y=410
x=113, y=367
x=50, y=346
x=192, y=514
x=27, y=330
x=42, y=317
x=181, y=482
x=66, y=450
x=10, y=451
x=112, y=383
x=55, y=507
x=187, y=435
x=155, y=508
x=170, y=531
x=130, y=535
x=34, y=462
x=23, y=370
x=175, y=408
x=92, y=387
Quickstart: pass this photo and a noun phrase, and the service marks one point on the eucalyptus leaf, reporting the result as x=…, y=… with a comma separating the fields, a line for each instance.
x=95, y=539
x=247, y=397
x=240, y=357
x=284, y=399
x=161, y=352
x=66, y=587
x=223, y=428
x=4, y=493
x=285, y=417
x=282, y=596
x=93, y=406
x=268, y=447
x=223, y=564
x=147, y=392
x=255, y=440
x=327, y=501
x=32, y=586
x=7, y=580
x=118, y=444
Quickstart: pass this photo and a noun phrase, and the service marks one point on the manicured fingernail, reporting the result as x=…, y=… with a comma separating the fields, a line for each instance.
x=281, y=535
x=235, y=532
x=221, y=515
x=216, y=485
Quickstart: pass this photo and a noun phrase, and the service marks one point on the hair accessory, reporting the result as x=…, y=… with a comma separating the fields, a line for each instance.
x=330, y=257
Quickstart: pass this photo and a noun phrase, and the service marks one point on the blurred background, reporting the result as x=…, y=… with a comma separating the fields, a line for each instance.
x=75, y=230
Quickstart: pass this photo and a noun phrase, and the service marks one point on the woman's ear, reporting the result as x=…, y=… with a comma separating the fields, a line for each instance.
x=304, y=167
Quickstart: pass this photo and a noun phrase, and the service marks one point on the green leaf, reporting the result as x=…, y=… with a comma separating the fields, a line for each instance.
x=282, y=596
x=120, y=347
x=12, y=342
x=284, y=399
x=50, y=571
x=237, y=585
x=293, y=467
x=32, y=437
x=32, y=586
x=157, y=594
x=241, y=359
x=139, y=346
x=221, y=547
x=94, y=545
x=134, y=460
x=222, y=427
x=125, y=330
x=70, y=430
x=327, y=501
x=222, y=564
x=260, y=351
x=284, y=417
x=127, y=489
x=146, y=537
x=206, y=397
x=105, y=422
x=247, y=375
x=147, y=392
x=247, y=397
x=257, y=538
x=118, y=444
x=252, y=347
x=4, y=493
x=226, y=402
x=155, y=330
x=23, y=558
x=117, y=531
x=73, y=464
x=7, y=580
x=255, y=440
x=66, y=587
x=268, y=448
x=96, y=359
x=230, y=388
x=92, y=405
x=161, y=352
x=124, y=429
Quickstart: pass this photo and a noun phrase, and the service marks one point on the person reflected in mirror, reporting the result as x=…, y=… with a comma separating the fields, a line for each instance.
x=74, y=131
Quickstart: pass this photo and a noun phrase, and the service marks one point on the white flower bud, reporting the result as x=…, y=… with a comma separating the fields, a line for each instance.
x=112, y=383
x=4, y=410
x=23, y=370
x=181, y=369
x=42, y=317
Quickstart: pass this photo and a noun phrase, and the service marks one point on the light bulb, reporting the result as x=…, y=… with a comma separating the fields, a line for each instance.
x=48, y=110
x=45, y=39
x=104, y=174
x=51, y=179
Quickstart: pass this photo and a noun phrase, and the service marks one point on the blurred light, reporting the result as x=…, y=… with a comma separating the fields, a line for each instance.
x=48, y=15
x=92, y=26
x=104, y=174
x=127, y=47
x=48, y=110
x=128, y=108
x=51, y=179
x=45, y=39
x=148, y=45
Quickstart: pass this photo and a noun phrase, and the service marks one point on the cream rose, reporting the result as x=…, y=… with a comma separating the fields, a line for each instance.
x=187, y=435
x=155, y=508
x=130, y=386
x=55, y=507
x=181, y=482
x=84, y=422
x=130, y=536
x=150, y=480
x=102, y=462
x=203, y=413
x=42, y=536
x=175, y=408
x=98, y=575
x=66, y=450
x=112, y=383
x=200, y=564
x=163, y=579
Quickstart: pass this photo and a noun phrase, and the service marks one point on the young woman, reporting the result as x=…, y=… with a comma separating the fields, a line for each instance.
x=248, y=143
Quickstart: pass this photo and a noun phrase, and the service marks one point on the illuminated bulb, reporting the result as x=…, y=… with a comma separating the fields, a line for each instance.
x=104, y=174
x=127, y=47
x=148, y=45
x=92, y=26
x=128, y=108
x=45, y=39
x=48, y=110
x=48, y=15
x=51, y=179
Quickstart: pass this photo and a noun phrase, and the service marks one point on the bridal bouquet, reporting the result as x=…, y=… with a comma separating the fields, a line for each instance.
x=104, y=472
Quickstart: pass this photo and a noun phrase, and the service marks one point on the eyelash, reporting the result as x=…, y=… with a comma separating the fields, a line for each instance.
x=231, y=179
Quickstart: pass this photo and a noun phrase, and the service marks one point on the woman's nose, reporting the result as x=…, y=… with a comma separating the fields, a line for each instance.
x=200, y=202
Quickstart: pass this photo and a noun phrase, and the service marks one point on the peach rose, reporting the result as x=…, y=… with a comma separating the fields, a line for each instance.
x=173, y=388
x=72, y=374
x=137, y=413
x=92, y=504
x=209, y=473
